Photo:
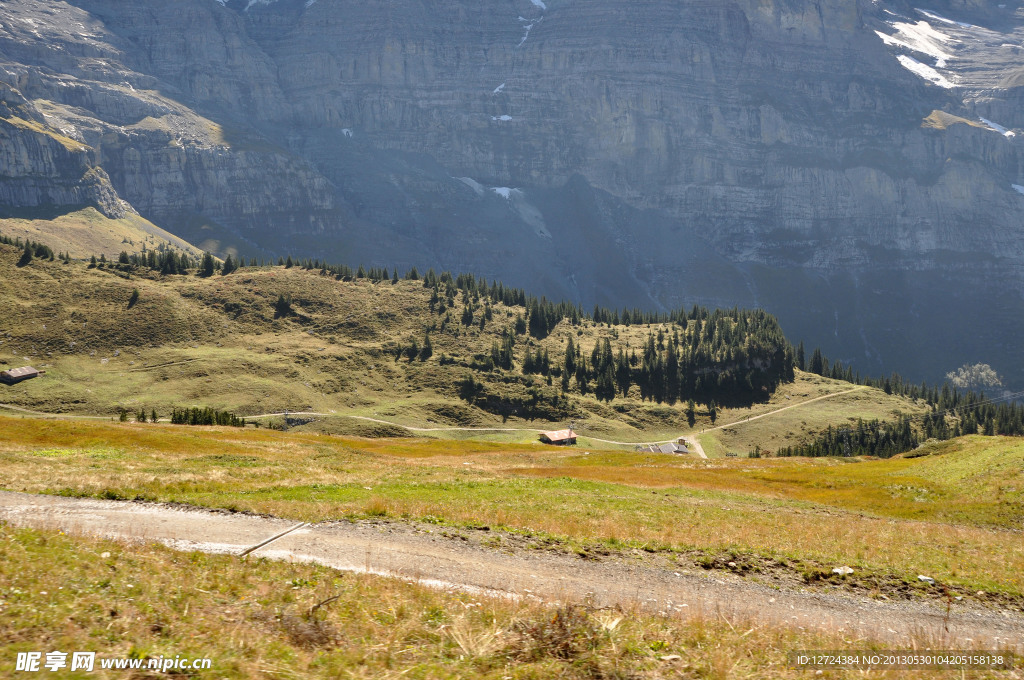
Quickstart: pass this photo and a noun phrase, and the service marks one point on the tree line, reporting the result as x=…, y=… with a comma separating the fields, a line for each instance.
x=952, y=413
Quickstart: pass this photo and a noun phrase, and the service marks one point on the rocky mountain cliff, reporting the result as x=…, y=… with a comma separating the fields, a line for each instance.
x=851, y=165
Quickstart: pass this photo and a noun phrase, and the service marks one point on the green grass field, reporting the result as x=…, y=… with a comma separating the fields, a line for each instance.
x=954, y=514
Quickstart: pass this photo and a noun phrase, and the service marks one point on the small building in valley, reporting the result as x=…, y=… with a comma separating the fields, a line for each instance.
x=16, y=375
x=559, y=437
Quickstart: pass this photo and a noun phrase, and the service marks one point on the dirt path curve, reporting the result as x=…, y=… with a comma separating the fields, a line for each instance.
x=695, y=443
x=693, y=437
x=486, y=562
x=43, y=414
x=785, y=408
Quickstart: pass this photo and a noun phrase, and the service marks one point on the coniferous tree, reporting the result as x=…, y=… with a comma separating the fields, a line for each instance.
x=206, y=266
x=283, y=306
x=26, y=256
x=428, y=348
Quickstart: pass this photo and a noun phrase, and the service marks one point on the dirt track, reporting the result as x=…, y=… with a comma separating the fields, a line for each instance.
x=514, y=566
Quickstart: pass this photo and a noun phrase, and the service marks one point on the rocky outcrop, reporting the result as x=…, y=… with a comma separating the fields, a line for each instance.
x=849, y=164
x=42, y=170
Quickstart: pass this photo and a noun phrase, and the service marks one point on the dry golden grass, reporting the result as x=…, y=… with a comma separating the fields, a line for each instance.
x=87, y=232
x=866, y=514
x=261, y=619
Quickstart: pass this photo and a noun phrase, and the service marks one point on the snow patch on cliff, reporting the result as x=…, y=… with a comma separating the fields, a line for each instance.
x=925, y=71
x=502, y=117
x=936, y=17
x=527, y=27
x=539, y=3
x=998, y=128
x=472, y=184
x=919, y=37
x=499, y=88
x=527, y=212
x=1019, y=189
x=506, y=192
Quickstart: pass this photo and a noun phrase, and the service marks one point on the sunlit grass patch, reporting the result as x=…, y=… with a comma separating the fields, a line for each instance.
x=259, y=618
x=934, y=514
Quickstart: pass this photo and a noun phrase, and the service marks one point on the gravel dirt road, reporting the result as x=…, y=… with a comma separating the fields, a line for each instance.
x=511, y=565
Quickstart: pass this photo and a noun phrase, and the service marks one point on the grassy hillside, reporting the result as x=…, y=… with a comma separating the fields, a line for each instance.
x=88, y=232
x=220, y=342
x=954, y=514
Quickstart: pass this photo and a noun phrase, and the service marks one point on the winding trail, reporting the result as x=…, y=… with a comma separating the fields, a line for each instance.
x=786, y=408
x=44, y=414
x=501, y=564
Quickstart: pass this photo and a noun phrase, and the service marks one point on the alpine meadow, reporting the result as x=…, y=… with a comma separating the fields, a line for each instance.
x=516, y=339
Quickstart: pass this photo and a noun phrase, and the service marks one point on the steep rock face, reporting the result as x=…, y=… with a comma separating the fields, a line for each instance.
x=129, y=100
x=851, y=165
x=42, y=170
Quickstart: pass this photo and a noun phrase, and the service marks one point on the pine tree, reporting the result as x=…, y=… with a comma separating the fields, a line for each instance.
x=26, y=256
x=817, y=364
x=206, y=266
x=228, y=267
x=428, y=348
x=570, y=357
x=283, y=306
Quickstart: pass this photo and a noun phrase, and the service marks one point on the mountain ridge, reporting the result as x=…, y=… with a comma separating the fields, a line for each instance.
x=771, y=154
